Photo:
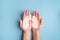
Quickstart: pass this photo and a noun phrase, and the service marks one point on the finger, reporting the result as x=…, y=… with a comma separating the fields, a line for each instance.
x=37, y=15
x=34, y=14
x=21, y=23
x=40, y=22
x=25, y=14
x=28, y=14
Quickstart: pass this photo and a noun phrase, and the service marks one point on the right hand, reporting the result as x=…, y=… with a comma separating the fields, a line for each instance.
x=25, y=23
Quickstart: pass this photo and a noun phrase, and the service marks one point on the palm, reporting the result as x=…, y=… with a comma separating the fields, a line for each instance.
x=37, y=21
x=24, y=24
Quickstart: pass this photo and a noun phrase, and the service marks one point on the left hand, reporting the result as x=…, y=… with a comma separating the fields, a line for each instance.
x=36, y=20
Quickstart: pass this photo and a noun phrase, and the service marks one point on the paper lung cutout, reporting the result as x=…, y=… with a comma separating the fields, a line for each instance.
x=34, y=22
x=26, y=22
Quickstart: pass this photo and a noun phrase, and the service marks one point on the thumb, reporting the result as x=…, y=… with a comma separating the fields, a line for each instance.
x=21, y=23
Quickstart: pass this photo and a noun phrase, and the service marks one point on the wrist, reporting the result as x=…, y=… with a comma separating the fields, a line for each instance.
x=26, y=31
x=35, y=30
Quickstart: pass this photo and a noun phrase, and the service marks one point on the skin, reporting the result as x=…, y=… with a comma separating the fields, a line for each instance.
x=26, y=32
x=35, y=31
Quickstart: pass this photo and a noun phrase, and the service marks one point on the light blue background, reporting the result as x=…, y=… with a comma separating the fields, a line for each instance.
x=11, y=10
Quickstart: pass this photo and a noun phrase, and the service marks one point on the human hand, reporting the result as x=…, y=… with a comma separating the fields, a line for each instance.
x=25, y=22
x=36, y=21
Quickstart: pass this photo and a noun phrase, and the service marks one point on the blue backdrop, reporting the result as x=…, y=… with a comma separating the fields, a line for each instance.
x=10, y=14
